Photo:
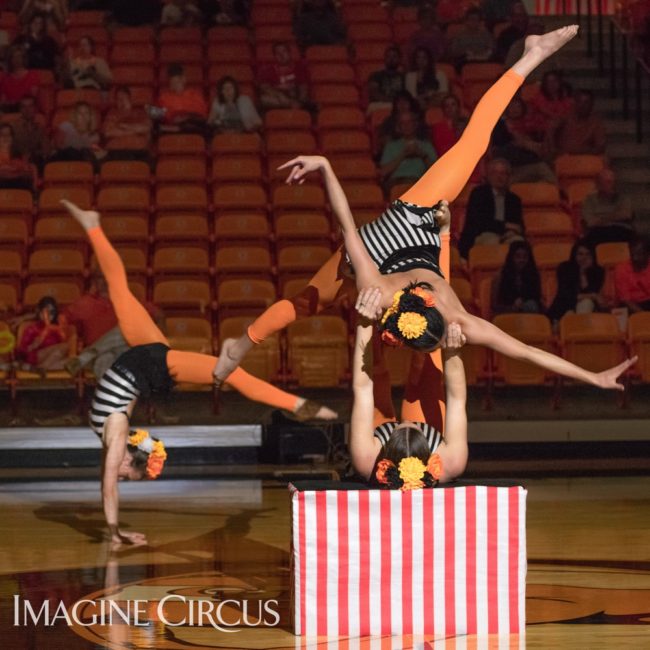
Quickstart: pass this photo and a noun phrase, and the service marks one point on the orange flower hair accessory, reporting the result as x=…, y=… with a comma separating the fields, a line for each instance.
x=427, y=296
x=155, y=448
x=390, y=339
x=434, y=466
x=383, y=466
x=412, y=325
x=137, y=437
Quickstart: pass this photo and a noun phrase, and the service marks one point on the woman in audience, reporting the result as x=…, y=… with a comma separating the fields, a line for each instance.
x=580, y=283
x=403, y=104
x=78, y=138
x=553, y=100
x=517, y=287
x=425, y=82
x=15, y=170
x=231, y=112
x=55, y=12
x=446, y=133
x=43, y=52
x=87, y=70
x=18, y=82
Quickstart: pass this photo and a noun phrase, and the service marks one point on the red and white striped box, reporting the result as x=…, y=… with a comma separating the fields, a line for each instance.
x=443, y=561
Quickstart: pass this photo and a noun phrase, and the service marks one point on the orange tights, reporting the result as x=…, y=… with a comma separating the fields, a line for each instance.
x=139, y=329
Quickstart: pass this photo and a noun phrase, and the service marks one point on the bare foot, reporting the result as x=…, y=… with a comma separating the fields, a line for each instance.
x=228, y=362
x=87, y=218
x=546, y=44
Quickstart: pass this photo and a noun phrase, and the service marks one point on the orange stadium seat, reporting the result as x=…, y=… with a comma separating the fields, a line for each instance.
x=301, y=260
x=533, y=329
x=293, y=287
x=190, y=334
x=69, y=97
x=298, y=197
x=362, y=32
x=50, y=198
x=13, y=231
x=273, y=33
x=228, y=34
x=610, y=254
x=179, y=260
x=188, y=35
x=463, y=289
x=237, y=169
x=133, y=53
x=11, y=263
x=56, y=262
x=58, y=229
x=271, y=15
x=188, y=144
x=336, y=95
x=571, y=167
x=248, y=260
x=188, y=53
x=353, y=168
x=182, y=197
x=548, y=256
x=354, y=14
x=638, y=331
x=402, y=32
x=370, y=51
x=485, y=261
x=318, y=351
x=578, y=191
x=245, y=227
x=264, y=52
x=592, y=341
x=299, y=227
x=123, y=198
x=548, y=227
x=177, y=227
x=290, y=142
x=365, y=195
x=229, y=52
x=134, y=257
x=327, y=54
x=16, y=202
x=263, y=360
x=64, y=292
x=287, y=119
x=8, y=296
x=64, y=173
x=244, y=293
x=333, y=73
x=473, y=72
x=181, y=170
x=240, y=197
x=141, y=95
x=182, y=293
x=85, y=18
x=236, y=143
x=536, y=195
x=341, y=117
x=242, y=72
x=144, y=34
x=349, y=141
x=124, y=172
x=126, y=227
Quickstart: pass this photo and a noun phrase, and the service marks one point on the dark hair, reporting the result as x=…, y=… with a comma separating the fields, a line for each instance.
x=175, y=70
x=42, y=16
x=222, y=82
x=393, y=48
x=513, y=285
x=410, y=302
x=582, y=243
x=564, y=88
x=640, y=240
x=10, y=55
x=413, y=103
x=139, y=459
x=48, y=301
x=429, y=79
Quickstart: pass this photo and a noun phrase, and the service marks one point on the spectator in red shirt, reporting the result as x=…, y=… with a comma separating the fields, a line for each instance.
x=632, y=278
x=553, y=101
x=19, y=82
x=283, y=83
x=446, y=133
x=186, y=110
x=15, y=170
x=42, y=345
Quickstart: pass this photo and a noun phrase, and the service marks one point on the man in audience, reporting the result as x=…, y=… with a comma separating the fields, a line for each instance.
x=428, y=36
x=632, y=278
x=284, y=82
x=384, y=85
x=473, y=43
x=30, y=137
x=405, y=159
x=581, y=131
x=606, y=214
x=126, y=128
x=317, y=23
x=494, y=213
x=186, y=110
x=180, y=13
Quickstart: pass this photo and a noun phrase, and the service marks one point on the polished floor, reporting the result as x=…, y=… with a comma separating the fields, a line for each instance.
x=588, y=564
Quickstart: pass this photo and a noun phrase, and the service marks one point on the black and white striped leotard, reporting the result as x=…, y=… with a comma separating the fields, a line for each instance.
x=433, y=436
x=404, y=237
x=138, y=372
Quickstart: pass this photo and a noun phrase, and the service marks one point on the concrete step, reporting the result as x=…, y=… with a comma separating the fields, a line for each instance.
x=638, y=175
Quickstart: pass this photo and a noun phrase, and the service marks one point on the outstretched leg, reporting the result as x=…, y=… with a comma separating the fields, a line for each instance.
x=449, y=175
x=134, y=321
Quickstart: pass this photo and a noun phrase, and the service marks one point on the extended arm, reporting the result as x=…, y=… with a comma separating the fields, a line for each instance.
x=481, y=332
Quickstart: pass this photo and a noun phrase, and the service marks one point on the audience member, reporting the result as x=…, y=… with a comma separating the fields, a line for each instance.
x=86, y=69
x=384, y=85
x=519, y=138
x=318, y=23
x=78, y=138
x=18, y=82
x=15, y=170
x=494, y=213
x=185, y=109
x=446, y=133
x=428, y=35
x=581, y=131
x=553, y=100
x=30, y=136
x=284, y=82
x=632, y=278
x=42, y=345
x=54, y=11
x=405, y=159
x=404, y=103
x=516, y=30
x=43, y=52
x=424, y=81
x=232, y=112
x=473, y=42
x=517, y=287
x=606, y=214
x=126, y=129
x=180, y=13
x=228, y=12
x=580, y=283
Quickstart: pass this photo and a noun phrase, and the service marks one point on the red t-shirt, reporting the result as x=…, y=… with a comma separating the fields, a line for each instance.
x=444, y=136
x=13, y=89
x=284, y=77
x=31, y=332
x=630, y=285
x=189, y=101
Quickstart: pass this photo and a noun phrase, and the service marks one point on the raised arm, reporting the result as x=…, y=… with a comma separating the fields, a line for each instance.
x=481, y=332
x=364, y=268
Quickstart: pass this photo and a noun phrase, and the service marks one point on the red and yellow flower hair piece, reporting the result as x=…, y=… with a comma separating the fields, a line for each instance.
x=155, y=448
x=411, y=474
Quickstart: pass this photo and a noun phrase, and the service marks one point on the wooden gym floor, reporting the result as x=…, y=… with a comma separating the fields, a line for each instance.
x=588, y=554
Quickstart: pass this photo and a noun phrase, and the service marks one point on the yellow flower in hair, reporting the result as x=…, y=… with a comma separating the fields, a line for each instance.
x=411, y=325
x=394, y=307
x=159, y=449
x=138, y=436
x=411, y=471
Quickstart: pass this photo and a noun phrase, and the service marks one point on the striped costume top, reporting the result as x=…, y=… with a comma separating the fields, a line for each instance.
x=138, y=372
x=404, y=237
x=433, y=436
